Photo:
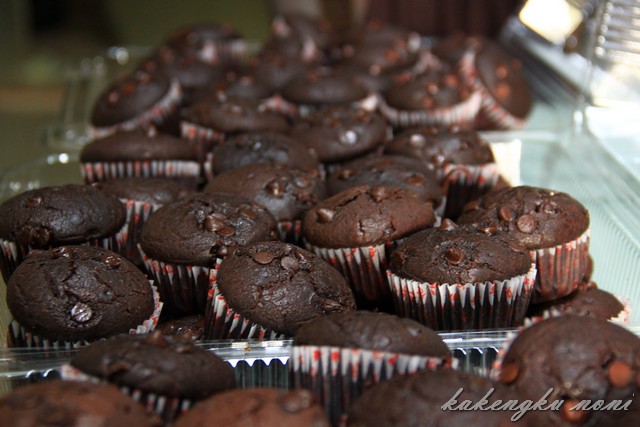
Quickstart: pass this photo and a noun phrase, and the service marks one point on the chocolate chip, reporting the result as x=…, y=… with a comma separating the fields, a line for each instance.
x=417, y=141
x=504, y=214
x=509, y=373
x=111, y=260
x=128, y=88
x=32, y=202
x=415, y=180
x=117, y=366
x=62, y=252
x=296, y=401
x=432, y=88
x=447, y=225
x=502, y=91
x=248, y=213
x=113, y=98
x=471, y=206
x=502, y=71
x=212, y=224
x=547, y=206
x=489, y=231
x=226, y=231
x=345, y=173
x=81, y=312
x=290, y=263
x=302, y=181
x=219, y=215
x=348, y=138
x=157, y=339
x=276, y=188
x=526, y=224
x=331, y=306
x=620, y=374
x=325, y=215
x=263, y=258
x=379, y=193
x=573, y=416
x=454, y=256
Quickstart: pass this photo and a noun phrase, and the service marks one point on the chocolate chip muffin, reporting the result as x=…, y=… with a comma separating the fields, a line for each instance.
x=356, y=346
x=256, y=406
x=461, y=278
x=278, y=286
x=78, y=294
x=552, y=224
x=576, y=358
x=191, y=327
x=68, y=403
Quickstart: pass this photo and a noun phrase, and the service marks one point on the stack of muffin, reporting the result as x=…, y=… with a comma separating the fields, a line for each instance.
x=327, y=181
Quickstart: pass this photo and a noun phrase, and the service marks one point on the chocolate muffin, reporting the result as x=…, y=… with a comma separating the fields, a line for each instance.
x=586, y=300
x=262, y=147
x=67, y=403
x=278, y=286
x=379, y=59
x=256, y=406
x=155, y=191
x=357, y=349
x=212, y=42
x=276, y=70
x=396, y=171
x=191, y=327
x=461, y=278
x=135, y=101
x=155, y=365
x=542, y=220
x=339, y=134
x=78, y=294
x=569, y=359
x=423, y=400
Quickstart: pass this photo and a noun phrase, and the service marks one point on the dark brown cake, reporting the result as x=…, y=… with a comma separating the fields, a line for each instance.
x=157, y=191
x=321, y=87
x=191, y=327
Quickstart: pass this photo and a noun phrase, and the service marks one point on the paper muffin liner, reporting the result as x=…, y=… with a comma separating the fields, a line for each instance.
x=463, y=183
x=461, y=114
x=560, y=268
x=183, y=288
x=19, y=336
x=481, y=305
x=226, y=52
x=279, y=105
x=621, y=318
x=202, y=138
x=165, y=107
x=137, y=214
x=490, y=109
x=182, y=170
x=364, y=268
x=223, y=322
x=337, y=376
x=169, y=408
x=290, y=231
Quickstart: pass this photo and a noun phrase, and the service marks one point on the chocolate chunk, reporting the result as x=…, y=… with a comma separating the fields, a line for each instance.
x=32, y=202
x=213, y=224
x=290, y=263
x=81, y=313
x=526, y=224
x=447, y=225
x=226, y=231
x=504, y=214
x=454, y=256
x=112, y=261
x=263, y=258
x=276, y=188
x=62, y=252
x=325, y=215
x=471, y=206
x=379, y=193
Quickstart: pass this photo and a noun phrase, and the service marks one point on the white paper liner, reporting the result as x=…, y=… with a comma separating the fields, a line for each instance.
x=279, y=105
x=561, y=268
x=462, y=114
x=165, y=107
x=490, y=108
x=463, y=183
x=203, y=139
x=482, y=305
x=18, y=336
x=337, y=376
x=364, y=268
x=223, y=322
x=183, y=288
x=137, y=214
x=169, y=408
x=106, y=171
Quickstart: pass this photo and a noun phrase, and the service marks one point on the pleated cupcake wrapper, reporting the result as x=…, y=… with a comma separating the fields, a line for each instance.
x=621, y=319
x=279, y=105
x=19, y=336
x=183, y=288
x=337, y=376
x=462, y=114
x=183, y=170
x=137, y=214
x=223, y=322
x=226, y=52
x=169, y=408
x=162, y=109
x=426, y=61
x=290, y=231
x=463, y=183
x=481, y=305
x=561, y=268
x=363, y=267
x=203, y=138
x=490, y=108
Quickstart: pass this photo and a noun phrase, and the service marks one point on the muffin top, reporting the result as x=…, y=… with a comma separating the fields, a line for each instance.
x=262, y=147
x=191, y=326
x=244, y=86
x=578, y=357
x=323, y=87
x=233, y=115
x=164, y=365
x=286, y=193
x=431, y=90
x=60, y=215
x=257, y=406
x=70, y=403
x=340, y=133
x=452, y=255
x=128, y=97
x=378, y=58
x=198, y=228
x=395, y=171
x=77, y=293
x=139, y=144
x=157, y=191
x=373, y=331
x=276, y=70
x=281, y=286
x=537, y=217
x=366, y=216
x=439, y=147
